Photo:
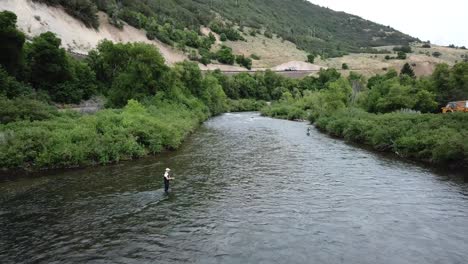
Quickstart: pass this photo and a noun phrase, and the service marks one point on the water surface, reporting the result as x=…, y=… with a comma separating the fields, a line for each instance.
x=248, y=189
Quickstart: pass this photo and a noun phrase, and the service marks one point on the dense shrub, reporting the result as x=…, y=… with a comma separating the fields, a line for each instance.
x=404, y=49
x=24, y=108
x=244, y=61
x=11, y=44
x=401, y=55
x=224, y=55
x=10, y=87
x=436, y=54
x=429, y=137
x=311, y=58
x=226, y=32
x=108, y=136
x=128, y=71
x=450, y=84
x=426, y=45
x=407, y=70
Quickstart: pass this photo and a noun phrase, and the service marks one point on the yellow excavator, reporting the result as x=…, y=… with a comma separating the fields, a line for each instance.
x=459, y=106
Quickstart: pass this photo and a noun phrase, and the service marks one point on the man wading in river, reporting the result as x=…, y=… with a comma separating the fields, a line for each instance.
x=167, y=179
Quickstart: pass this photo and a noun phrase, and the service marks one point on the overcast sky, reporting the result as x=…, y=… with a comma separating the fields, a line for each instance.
x=442, y=22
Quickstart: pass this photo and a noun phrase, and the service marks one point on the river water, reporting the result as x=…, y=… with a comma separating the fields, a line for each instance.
x=248, y=189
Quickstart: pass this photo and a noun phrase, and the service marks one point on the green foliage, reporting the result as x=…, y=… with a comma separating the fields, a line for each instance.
x=213, y=95
x=433, y=138
x=451, y=84
x=224, y=55
x=10, y=87
x=131, y=70
x=11, y=43
x=436, y=54
x=48, y=66
x=401, y=55
x=311, y=58
x=24, y=108
x=311, y=27
x=245, y=85
x=344, y=66
x=408, y=70
x=428, y=137
x=426, y=45
x=226, y=32
x=108, y=136
x=405, y=49
x=335, y=95
x=389, y=93
x=244, y=61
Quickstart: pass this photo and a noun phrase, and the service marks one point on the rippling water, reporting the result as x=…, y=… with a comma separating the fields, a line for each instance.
x=248, y=189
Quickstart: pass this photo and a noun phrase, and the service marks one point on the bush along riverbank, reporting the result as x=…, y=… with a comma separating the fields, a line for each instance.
x=394, y=113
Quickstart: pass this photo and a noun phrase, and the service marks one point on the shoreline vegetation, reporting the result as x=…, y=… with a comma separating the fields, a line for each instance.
x=390, y=113
x=150, y=107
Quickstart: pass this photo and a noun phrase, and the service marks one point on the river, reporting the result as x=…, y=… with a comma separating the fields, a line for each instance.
x=248, y=189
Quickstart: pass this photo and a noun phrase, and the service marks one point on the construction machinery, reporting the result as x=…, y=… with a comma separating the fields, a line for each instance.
x=459, y=106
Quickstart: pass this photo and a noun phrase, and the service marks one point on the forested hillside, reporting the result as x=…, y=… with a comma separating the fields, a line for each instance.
x=314, y=29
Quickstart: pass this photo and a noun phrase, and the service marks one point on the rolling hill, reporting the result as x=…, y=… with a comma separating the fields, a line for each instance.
x=312, y=28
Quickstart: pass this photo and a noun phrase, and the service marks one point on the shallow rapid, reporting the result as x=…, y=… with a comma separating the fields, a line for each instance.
x=248, y=189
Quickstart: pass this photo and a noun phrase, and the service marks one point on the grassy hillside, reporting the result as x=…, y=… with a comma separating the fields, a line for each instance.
x=422, y=59
x=312, y=28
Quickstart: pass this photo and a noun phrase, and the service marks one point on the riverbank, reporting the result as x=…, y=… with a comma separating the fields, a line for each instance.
x=435, y=139
x=71, y=140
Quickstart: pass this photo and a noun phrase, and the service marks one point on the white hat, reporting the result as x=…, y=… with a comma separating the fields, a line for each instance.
x=167, y=169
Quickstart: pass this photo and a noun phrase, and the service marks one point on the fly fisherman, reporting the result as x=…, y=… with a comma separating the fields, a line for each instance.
x=167, y=179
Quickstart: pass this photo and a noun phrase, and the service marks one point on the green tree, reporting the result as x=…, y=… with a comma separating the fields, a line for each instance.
x=436, y=54
x=401, y=55
x=213, y=95
x=190, y=76
x=311, y=58
x=245, y=84
x=134, y=70
x=11, y=43
x=10, y=87
x=223, y=37
x=224, y=55
x=326, y=76
x=244, y=61
x=48, y=65
x=441, y=79
x=408, y=70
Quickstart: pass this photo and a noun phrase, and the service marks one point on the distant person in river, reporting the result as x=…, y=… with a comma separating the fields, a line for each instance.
x=167, y=179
